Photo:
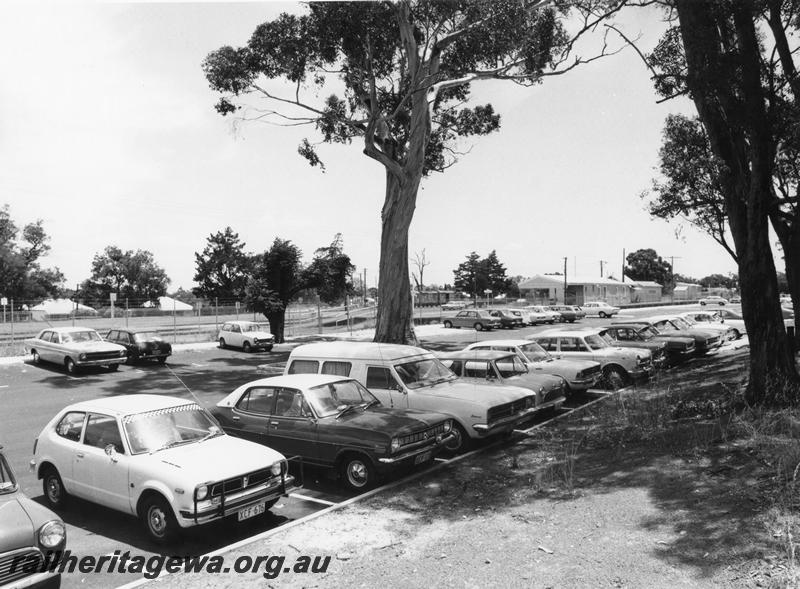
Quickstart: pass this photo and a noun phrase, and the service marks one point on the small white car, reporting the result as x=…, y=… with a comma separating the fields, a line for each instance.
x=454, y=306
x=711, y=322
x=530, y=316
x=74, y=348
x=599, y=309
x=713, y=300
x=247, y=335
x=550, y=315
x=163, y=459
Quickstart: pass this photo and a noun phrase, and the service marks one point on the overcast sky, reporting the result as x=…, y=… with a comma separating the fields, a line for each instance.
x=108, y=133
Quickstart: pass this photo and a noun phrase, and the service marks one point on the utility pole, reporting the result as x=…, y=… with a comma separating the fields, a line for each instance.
x=601, y=267
x=565, y=281
x=672, y=275
x=623, y=264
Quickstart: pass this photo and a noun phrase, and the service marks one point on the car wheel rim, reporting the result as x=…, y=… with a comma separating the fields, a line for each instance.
x=157, y=521
x=357, y=473
x=53, y=490
x=35, y=357
x=455, y=441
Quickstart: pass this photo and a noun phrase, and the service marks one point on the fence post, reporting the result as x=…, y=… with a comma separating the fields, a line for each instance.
x=174, y=326
x=319, y=318
x=127, y=311
x=12, y=324
x=216, y=316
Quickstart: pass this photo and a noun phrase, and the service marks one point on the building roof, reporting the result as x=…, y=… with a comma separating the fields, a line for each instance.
x=642, y=283
x=555, y=280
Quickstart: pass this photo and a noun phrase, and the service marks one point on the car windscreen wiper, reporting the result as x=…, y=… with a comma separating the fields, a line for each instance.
x=344, y=410
x=369, y=404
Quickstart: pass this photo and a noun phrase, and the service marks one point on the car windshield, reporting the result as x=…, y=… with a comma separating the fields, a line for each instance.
x=329, y=399
x=80, y=336
x=608, y=339
x=595, y=342
x=648, y=332
x=7, y=481
x=253, y=327
x=147, y=336
x=171, y=426
x=690, y=320
x=510, y=366
x=423, y=373
x=535, y=353
x=680, y=322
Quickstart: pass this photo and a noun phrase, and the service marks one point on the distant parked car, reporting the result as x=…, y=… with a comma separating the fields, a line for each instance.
x=160, y=458
x=507, y=319
x=477, y=319
x=658, y=349
x=736, y=299
x=141, y=344
x=713, y=300
x=620, y=366
x=552, y=316
x=569, y=313
x=248, y=335
x=579, y=374
x=706, y=342
x=732, y=318
x=599, y=309
x=454, y=306
x=74, y=348
x=333, y=422
x=707, y=320
x=530, y=316
x=28, y=532
x=678, y=348
x=506, y=368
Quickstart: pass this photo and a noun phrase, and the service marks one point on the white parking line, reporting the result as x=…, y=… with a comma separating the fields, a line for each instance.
x=312, y=499
x=441, y=459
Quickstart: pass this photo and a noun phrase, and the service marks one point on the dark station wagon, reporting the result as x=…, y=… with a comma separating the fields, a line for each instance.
x=333, y=422
x=141, y=344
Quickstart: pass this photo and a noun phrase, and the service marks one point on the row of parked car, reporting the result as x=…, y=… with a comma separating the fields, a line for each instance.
x=510, y=317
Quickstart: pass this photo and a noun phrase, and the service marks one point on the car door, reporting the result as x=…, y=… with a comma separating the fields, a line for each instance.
x=250, y=416
x=44, y=346
x=103, y=476
x=574, y=348
x=292, y=431
x=65, y=441
x=382, y=383
x=236, y=337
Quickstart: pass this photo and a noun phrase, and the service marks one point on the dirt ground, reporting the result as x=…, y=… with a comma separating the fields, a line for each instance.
x=619, y=495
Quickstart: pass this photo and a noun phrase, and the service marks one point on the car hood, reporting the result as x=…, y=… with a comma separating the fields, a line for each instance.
x=534, y=381
x=481, y=394
x=217, y=458
x=617, y=352
x=94, y=346
x=391, y=422
x=567, y=366
x=18, y=527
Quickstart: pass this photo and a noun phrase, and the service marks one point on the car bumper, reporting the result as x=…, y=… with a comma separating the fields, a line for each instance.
x=237, y=501
x=643, y=373
x=101, y=362
x=411, y=456
x=503, y=425
x=34, y=580
x=584, y=383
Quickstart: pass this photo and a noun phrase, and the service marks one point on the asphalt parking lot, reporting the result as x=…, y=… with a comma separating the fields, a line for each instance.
x=31, y=395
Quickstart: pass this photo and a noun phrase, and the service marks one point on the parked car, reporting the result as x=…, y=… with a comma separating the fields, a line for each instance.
x=705, y=342
x=620, y=366
x=407, y=377
x=530, y=316
x=725, y=333
x=247, y=335
x=579, y=374
x=569, y=313
x=29, y=534
x=505, y=368
x=736, y=299
x=141, y=344
x=658, y=349
x=333, y=422
x=599, y=309
x=507, y=319
x=713, y=300
x=74, y=348
x=160, y=458
x=708, y=321
x=478, y=319
x=733, y=318
x=678, y=348
x=453, y=306
x=551, y=316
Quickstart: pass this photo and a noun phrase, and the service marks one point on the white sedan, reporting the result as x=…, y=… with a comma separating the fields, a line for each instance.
x=74, y=348
x=163, y=459
x=599, y=308
x=713, y=300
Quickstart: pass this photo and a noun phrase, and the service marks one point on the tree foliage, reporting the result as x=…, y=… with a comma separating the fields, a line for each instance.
x=397, y=77
x=477, y=274
x=132, y=275
x=646, y=264
x=21, y=275
x=222, y=269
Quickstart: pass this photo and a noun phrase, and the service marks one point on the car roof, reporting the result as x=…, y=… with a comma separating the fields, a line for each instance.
x=499, y=342
x=629, y=323
x=128, y=404
x=68, y=329
x=244, y=322
x=135, y=329
x=359, y=351
x=297, y=381
x=563, y=332
x=654, y=318
x=475, y=355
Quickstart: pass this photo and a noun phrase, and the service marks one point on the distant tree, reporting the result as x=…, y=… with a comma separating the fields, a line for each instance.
x=223, y=268
x=496, y=274
x=132, y=275
x=420, y=260
x=21, y=276
x=685, y=279
x=184, y=296
x=402, y=73
x=718, y=281
x=646, y=264
x=477, y=274
x=278, y=277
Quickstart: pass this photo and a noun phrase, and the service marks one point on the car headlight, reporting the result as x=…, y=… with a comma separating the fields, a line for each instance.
x=201, y=492
x=277, y=468
x=81, y=357
x=52, y=534
x=448, y=425
x=395, y=445
x=123, y=353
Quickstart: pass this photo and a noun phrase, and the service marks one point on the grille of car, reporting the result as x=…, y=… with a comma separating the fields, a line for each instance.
x=587, y=372
x=241, y=483
x=28, y=561
x=102, y=355
x=507, y=409
x=421, y=436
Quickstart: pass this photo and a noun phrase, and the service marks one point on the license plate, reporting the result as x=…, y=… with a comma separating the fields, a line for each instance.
x=424, y=457
x=252, y=511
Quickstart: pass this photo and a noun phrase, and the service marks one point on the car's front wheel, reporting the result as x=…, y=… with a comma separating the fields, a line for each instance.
x=113, y=367
x=54, y=494
x=602, y=315
x=162, y=360
x=459, y=440
x=448, y=324
x=70, y=365
x=357, y=472
x=222, y=343
x=615, y=377
x=158, y=519
x=246, y=347
x=478, y=326
x=36, y=358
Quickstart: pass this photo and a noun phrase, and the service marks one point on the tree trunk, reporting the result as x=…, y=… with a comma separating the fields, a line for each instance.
x=790, y=242
x=394, y=323
x=277, y=322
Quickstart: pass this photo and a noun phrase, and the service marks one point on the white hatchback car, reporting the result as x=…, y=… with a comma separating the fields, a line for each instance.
x=247, y=335
x=163, y=459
